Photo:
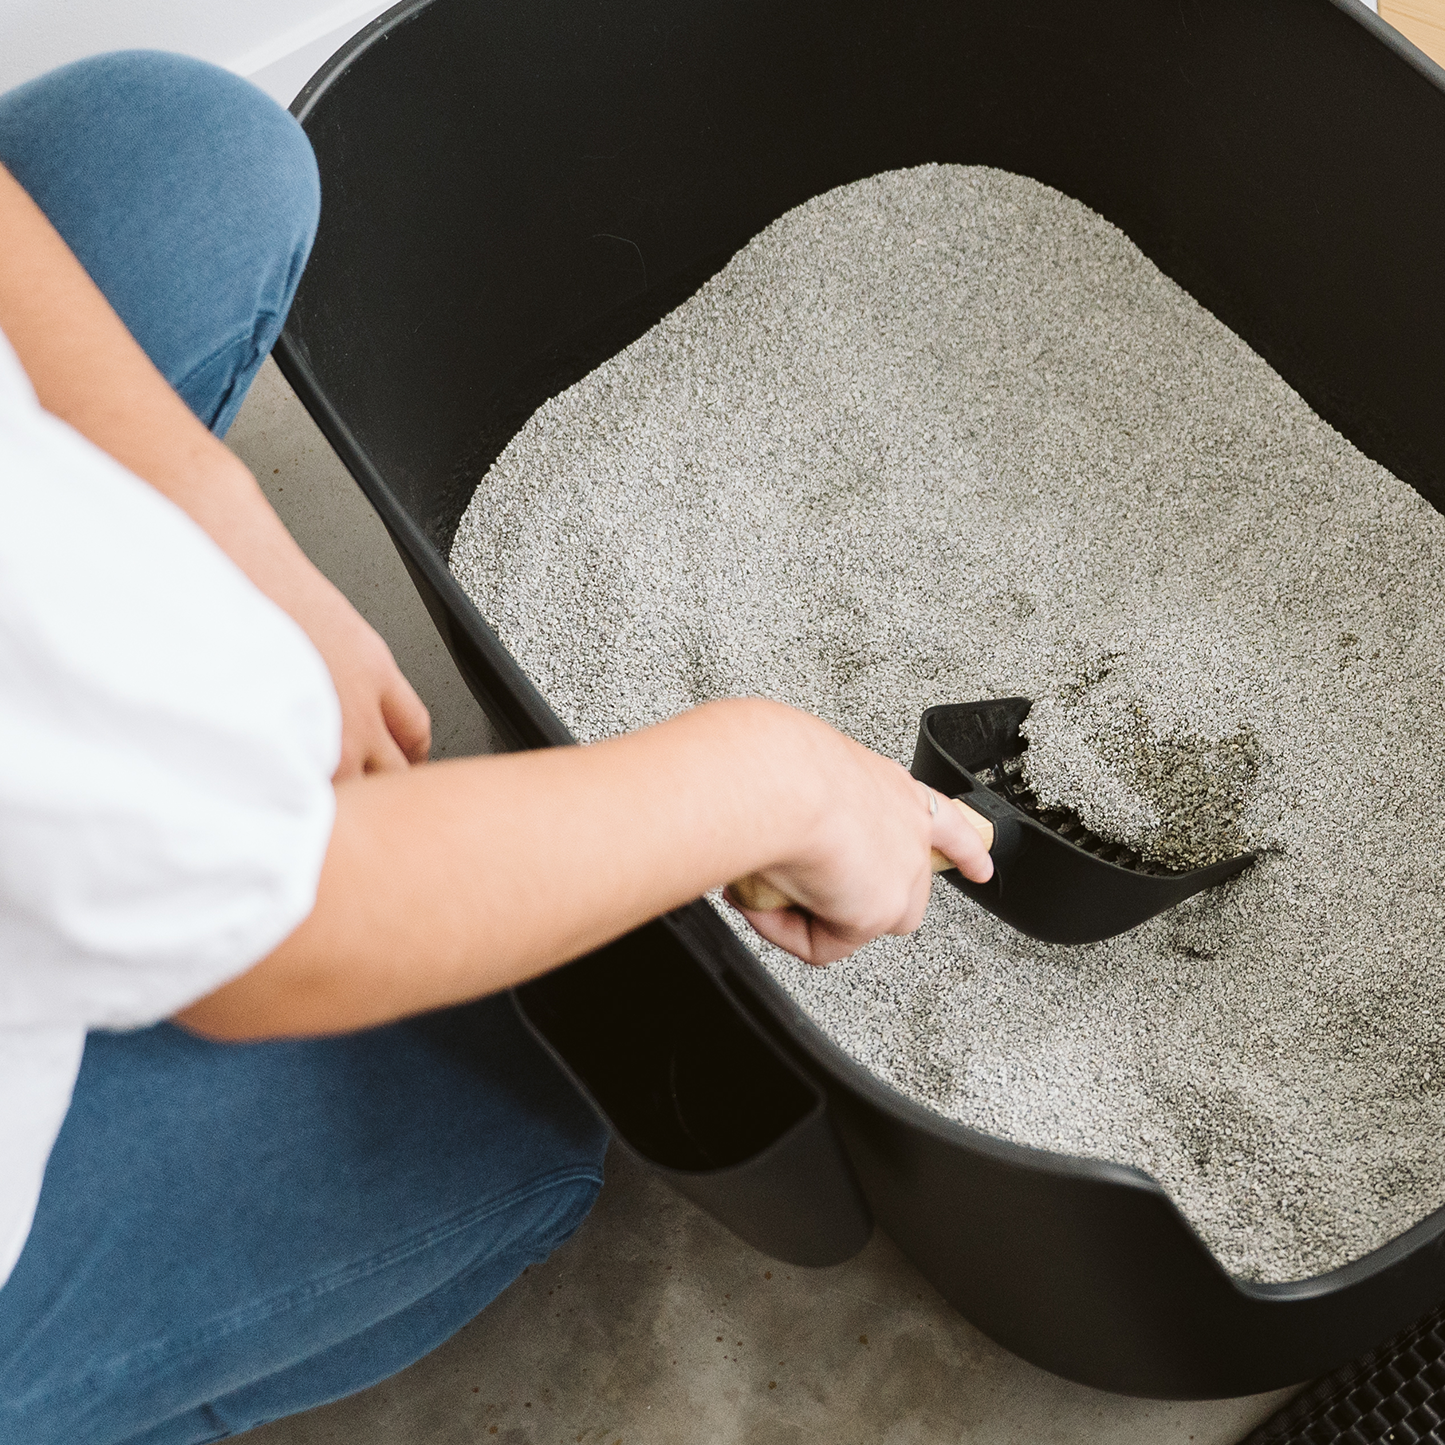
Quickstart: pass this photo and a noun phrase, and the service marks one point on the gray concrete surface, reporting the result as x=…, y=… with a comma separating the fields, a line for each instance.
x=334, y=523
x=654, y=1324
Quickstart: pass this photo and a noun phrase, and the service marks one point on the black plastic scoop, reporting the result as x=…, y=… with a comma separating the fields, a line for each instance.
x=1052, y=878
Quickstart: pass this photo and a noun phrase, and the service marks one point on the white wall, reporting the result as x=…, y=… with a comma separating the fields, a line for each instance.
x=277, y=43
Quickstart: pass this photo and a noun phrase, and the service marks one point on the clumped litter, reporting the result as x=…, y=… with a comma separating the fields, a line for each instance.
x=946, y=434
x=1177, y=796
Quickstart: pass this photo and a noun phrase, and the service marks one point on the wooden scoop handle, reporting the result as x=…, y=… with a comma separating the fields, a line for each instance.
x=758, y=895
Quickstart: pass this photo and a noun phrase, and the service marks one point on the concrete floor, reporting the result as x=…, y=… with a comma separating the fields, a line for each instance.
x=654, y=1324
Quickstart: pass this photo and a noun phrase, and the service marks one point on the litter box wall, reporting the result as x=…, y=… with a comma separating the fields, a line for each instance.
x=514, y=192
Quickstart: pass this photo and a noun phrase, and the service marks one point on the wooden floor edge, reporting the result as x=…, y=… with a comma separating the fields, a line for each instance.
x=1421, y=22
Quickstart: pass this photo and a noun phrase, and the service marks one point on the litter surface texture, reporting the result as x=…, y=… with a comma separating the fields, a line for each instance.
x=946, y=434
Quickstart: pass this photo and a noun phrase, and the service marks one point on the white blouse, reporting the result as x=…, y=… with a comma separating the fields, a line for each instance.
x=167, y=740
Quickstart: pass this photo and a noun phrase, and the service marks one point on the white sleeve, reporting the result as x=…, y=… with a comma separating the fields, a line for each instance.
x=167, y=739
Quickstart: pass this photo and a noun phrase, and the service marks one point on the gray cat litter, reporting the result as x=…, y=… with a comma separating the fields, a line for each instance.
x=946, y=434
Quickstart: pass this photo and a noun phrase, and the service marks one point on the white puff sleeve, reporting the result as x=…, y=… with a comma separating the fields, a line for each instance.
x=167, y=740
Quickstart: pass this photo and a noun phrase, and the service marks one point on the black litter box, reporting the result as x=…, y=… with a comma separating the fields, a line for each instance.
x=516, y=189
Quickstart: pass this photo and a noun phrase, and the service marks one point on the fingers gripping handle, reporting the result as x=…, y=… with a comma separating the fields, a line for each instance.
x=757, y=895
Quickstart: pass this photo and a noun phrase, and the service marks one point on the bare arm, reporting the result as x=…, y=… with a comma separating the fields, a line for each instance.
x=88, y=370
x=451, y=881
x=466, y=877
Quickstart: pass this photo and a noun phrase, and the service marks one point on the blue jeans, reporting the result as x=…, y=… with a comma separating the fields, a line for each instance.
x=232, y=1233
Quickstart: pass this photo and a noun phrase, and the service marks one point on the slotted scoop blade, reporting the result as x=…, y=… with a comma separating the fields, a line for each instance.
x=1056, y=883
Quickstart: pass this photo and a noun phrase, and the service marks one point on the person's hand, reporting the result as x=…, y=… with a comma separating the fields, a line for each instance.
x=385, y=727
x=866, y=870
x=88, y=370
x=445, y=883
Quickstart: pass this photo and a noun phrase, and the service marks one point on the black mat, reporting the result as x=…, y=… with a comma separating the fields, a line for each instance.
x=1395, y=1395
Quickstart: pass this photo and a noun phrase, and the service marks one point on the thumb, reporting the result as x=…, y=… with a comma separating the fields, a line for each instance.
x=406, y=718
x=963, y=837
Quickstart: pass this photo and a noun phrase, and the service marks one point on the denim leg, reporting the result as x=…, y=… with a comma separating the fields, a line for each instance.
x=228, y=1234
x=386, y=1347
x=189, y=196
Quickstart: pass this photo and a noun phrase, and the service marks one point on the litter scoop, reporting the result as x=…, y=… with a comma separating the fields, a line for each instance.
x=1052, y=878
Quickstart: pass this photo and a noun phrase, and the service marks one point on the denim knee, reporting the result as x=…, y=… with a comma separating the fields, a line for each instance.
x=189, y=195
x=178, y=134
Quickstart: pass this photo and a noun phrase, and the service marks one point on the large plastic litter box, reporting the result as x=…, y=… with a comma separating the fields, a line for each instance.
x=516, y=189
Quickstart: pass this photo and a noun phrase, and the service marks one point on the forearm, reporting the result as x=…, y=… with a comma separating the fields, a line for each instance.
x=463, y=878
x=89, y=371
